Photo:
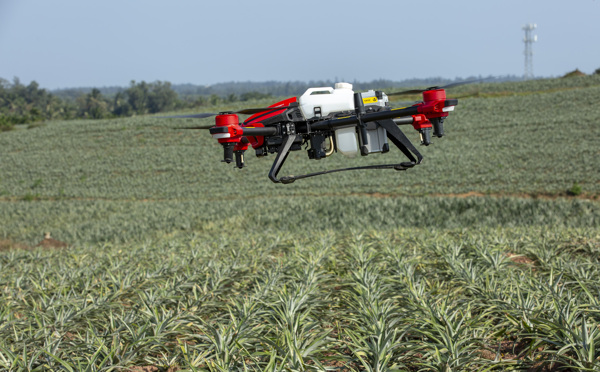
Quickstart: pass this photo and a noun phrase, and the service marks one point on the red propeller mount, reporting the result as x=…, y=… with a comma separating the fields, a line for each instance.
x=423, y=126
x=435, y=107
x=228, y=132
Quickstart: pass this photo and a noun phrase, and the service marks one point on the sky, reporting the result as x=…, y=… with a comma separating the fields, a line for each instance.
x=79, y=43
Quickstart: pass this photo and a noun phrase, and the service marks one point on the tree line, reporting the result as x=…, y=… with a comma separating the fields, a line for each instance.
x=238, y=89
x=27, y=104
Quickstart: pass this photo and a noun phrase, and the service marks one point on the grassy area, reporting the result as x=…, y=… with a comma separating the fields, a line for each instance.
x=541, y=143
x=480, y=257
x=456, y=299
x=97, y=221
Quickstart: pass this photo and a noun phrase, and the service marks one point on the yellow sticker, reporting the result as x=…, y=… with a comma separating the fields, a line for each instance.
x=369, y=100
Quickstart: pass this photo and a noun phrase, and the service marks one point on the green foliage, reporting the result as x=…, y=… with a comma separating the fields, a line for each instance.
x=296, y=88
x=36, y=125
x=405, y=299
x=474, y=260
x=492, y=147
x=575, y=190
x=250, y=96
x=30, y=197
x=92, y=105
x=161, y=97
x=142, y=98
x=21, y=104
x=5, y=125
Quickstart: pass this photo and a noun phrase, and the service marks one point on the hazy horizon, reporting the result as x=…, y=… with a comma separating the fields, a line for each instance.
x=70, y=44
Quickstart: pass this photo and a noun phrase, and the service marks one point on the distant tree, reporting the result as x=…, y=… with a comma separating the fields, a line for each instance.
x=214, y=99
x=199, y=101
x=121, y=106
x=6, y=124
x=253, y=95
x=93, y=105
x=21, y=104
x=161, y=97
x=597, y=72
x=231, y=97
x=137, y=97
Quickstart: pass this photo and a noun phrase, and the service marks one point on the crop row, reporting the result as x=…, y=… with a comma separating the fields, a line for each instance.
x=406, y=299
x=534, y=144
x=80, y=221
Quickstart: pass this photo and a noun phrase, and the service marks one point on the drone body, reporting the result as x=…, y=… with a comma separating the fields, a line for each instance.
x=328, y=120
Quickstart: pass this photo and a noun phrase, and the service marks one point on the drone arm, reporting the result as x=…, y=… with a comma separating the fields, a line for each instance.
x=233, y=131
x=404, y=120
x=259, y=131
x=372, y=116
x=434, y=108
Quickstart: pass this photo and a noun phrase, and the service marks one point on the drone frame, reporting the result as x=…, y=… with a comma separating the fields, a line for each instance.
x=288, y=134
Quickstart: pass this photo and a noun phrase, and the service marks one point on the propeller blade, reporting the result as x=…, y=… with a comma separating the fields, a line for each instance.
x=248, y=111
x=411, y=91
x=192, y=116
x=458, y=83
x=451, y=85
x=474, y=94
x=252, y=111
x=199, y=127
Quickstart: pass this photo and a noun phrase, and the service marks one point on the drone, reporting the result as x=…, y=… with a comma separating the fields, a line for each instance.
x=325, y=120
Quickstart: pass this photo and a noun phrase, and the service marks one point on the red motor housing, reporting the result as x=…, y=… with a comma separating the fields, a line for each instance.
x=229, y=134
x=433, y=104
x=229, y=129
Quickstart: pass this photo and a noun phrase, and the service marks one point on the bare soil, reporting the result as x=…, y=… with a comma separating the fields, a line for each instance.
x=520, y=259
x=477, y=194
x=50, y=243
x=152, y=369
x=7, y=245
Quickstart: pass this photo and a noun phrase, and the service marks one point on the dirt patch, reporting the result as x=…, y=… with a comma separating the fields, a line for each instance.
x=505, y=350
x=50, y=243
x=153, y=369
x=144, y=369
x=463, y=195
x=520, y=259
x=544, y=196
x=345, y=364
x=47, y=243
x=7, y=245
x=69, y=336
x=546, y=366
x=477, y=194
x=518, y=350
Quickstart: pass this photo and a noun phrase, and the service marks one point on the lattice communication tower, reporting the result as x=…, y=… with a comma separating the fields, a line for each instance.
x=529, y=39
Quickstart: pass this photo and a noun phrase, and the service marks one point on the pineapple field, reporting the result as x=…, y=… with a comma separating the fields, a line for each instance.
x=484, y=257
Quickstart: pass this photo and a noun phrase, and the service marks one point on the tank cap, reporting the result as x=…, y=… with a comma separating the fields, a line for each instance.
x=343, y=86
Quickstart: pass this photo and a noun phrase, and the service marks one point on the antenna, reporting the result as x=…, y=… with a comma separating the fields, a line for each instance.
x=529, y=39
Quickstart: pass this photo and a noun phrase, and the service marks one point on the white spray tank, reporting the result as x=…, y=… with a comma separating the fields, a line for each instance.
x=320, y=102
